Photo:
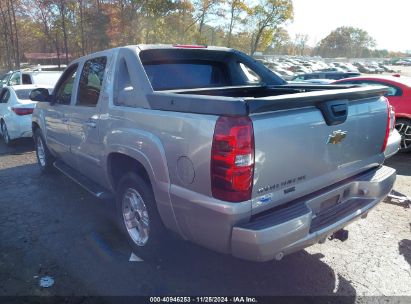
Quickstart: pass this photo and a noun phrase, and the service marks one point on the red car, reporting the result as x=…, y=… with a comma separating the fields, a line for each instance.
x=399, y=96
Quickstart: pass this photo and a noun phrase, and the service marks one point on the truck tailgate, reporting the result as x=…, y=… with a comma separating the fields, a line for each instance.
x=297, y=152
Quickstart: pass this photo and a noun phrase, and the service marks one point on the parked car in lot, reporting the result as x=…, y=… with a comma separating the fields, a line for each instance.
x=386, y=69
x=362, y=68
x=47, y=78
x=325, y=75
x=15, y=112
x=399, y=96
x=211, y=144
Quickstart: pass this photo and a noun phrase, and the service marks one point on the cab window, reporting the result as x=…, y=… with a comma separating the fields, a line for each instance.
x=64, y=88
x=250, y=75
x=91, y=81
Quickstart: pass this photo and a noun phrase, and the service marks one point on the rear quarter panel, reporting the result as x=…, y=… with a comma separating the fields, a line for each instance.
x=174, y=148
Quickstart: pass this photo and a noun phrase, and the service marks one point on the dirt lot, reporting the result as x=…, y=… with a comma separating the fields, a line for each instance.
x=50, y=226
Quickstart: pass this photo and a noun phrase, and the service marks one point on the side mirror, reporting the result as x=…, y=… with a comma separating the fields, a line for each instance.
x=40, y=95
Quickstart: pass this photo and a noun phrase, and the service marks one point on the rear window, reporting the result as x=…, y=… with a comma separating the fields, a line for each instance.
x=23, y=94
x=186, y=75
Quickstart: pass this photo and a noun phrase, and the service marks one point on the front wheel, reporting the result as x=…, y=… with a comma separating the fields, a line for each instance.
x=139, y=219
x=403, y=127
x=44, y=158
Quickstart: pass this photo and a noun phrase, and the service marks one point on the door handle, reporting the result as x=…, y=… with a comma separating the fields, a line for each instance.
x=90, y=123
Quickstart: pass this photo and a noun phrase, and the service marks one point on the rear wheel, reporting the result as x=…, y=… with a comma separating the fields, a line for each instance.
x=45, y=159
x=403, y=127
x=138, y=218
x=5, y=134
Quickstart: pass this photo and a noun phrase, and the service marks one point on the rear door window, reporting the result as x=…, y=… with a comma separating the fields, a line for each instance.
x=91, y=81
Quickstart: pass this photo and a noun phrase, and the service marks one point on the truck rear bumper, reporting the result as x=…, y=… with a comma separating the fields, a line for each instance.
x=309, y=220
x=230, y=228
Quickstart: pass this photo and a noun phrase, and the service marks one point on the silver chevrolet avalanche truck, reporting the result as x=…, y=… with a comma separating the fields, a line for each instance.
x=212, y=145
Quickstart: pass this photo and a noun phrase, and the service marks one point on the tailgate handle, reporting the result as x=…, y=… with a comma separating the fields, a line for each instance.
x=335, y=112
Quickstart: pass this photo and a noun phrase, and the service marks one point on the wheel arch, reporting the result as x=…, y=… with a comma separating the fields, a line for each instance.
x=34, y=126
x=403, y=116
x=120, y=163
x=124, y=160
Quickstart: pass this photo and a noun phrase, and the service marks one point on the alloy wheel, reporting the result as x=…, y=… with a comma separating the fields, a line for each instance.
x=135, y=216
x=405, y=131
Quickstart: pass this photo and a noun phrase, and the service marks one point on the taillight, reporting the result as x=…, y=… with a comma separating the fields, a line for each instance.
x=388, y=126
x=232, y=159
x=22, y=111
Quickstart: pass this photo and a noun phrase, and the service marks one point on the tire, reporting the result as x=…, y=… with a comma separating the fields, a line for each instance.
x=403, y=127
x=138, y=218
x=45, y=159
x=5, y=134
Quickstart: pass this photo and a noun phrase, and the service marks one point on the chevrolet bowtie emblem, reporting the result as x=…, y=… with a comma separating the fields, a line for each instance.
x=336, y=137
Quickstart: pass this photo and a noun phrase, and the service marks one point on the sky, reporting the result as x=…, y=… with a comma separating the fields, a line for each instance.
x=388, y=22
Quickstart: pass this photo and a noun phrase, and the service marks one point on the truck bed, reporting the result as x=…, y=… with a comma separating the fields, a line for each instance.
x=245, y=100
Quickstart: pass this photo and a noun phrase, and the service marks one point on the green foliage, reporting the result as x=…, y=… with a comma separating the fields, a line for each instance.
x=265, y=18
x=346, y=42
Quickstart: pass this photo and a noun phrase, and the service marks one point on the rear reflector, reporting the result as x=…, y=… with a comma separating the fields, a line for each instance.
x=232, y=159
x=388, y=126
x=22, y=111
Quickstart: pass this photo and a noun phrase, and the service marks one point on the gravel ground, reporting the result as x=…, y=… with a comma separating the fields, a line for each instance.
x=50, y=226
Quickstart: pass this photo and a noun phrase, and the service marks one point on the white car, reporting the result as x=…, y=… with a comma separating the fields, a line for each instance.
x=15, y=111
x=48, y=78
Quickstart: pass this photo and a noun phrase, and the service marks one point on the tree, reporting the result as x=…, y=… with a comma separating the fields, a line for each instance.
x=235, y=9
x=300, y=43
x=203, y=8
x=280, y=42
x=62, y=6
x=346, y=42
x=265, y=18
x=10, y=32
